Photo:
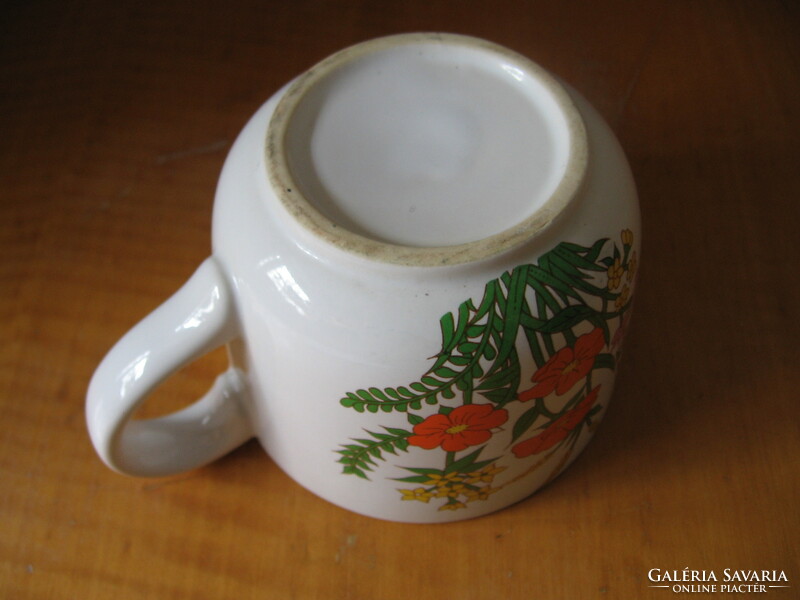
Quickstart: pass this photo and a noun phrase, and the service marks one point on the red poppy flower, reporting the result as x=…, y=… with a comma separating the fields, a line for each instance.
x=558, y=429
x=566, y=367
x=464, y=426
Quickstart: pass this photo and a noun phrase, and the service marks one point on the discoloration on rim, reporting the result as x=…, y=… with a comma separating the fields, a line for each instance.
x=293, y=200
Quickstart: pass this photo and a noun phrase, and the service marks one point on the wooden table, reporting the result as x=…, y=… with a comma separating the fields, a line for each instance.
x=115, y=119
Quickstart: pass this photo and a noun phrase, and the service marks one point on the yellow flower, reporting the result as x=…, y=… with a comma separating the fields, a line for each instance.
x=442, y=480
x=481, y=494
x=632, y=262
x=486, y=474
x=622, y=299
x=450, y=492
x=615, y=273
x=452, y=506
x=420, y=494
x=627, y=237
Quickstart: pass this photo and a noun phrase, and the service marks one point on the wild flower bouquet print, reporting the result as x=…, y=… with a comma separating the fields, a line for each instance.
x=566, y=314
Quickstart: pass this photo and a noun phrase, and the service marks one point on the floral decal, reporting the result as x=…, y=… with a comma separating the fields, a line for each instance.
x=562, y=319
x=567, y=367
x=558, y=430
x=467, y=425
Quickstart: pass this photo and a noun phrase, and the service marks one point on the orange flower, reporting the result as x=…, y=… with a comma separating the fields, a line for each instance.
x=558, y=430
x=464, y=426
x=566, y=367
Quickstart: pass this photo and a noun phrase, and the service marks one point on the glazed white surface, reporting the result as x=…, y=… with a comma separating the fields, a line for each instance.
x=307, y=321
x=428, y=144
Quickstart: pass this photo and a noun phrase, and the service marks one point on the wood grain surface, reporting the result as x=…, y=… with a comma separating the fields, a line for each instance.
x=115, y=118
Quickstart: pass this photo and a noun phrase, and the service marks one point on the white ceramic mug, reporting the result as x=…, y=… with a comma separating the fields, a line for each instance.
x=424, y=250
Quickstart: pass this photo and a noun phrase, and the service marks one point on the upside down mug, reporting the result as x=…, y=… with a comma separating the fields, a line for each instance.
x=424, y=254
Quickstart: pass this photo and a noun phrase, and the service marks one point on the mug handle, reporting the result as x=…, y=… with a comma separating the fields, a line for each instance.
x=197, y=319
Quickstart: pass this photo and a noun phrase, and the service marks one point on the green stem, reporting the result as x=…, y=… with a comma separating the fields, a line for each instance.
x=548, y=344
x=467, y=393
x=543, y=409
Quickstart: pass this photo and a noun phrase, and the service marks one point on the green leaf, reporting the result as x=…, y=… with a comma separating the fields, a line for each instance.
x=545, y=278
x=598, y=321
x=574, y=247
x=477, y=466
x=460, y=361
x=500, y=395
x=544, y=299
x=446, y=373
x=530, y=324
x=589, y=288
x=351, y=470
x=356, y=404
x=393, y=393
x=463, y=321
x=466, y=464
x=413, y=479
x=567, y=318
x=398, y=432
x=376, y=393
x=475, y=331
x=488, y=301
x=513, y=312
x=524, y=422
x=595, y=250
x=565, y=271
x=448, y=330
x=500, y=378
x=414, y=419
x=360, y=457
x=574, y=259
x=604, y=361
x=422, y=471
x=467, y=348
x=440, y=360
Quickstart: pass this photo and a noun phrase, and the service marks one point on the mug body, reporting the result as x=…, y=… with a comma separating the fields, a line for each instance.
x=432, y=247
